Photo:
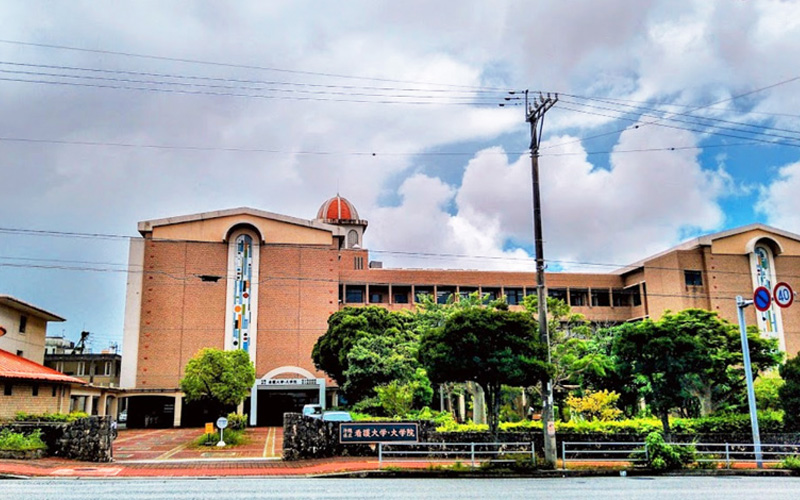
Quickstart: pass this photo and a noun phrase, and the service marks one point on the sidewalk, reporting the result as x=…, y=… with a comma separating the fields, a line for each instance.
x=51, y=467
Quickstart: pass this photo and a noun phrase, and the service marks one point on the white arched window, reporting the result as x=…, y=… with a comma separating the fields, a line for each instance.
x=352, y=238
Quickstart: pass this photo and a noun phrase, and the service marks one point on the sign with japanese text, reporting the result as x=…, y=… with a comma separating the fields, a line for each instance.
x=384, y=432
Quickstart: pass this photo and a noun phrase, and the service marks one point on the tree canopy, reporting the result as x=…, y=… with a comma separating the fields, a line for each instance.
x=224, y=378
x=489, y=346
x=790, y=394
x=692, y=355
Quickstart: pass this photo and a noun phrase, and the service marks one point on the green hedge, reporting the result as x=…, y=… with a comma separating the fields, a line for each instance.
x=21, y=416
x=768, y=422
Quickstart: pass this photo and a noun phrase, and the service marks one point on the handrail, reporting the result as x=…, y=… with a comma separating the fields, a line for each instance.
x=474, y=451
x=704, y=452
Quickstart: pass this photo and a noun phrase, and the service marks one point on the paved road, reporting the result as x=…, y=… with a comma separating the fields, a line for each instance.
x=629, y=488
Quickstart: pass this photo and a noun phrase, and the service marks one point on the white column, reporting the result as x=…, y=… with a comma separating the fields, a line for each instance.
x=254, y=405
x=178, y=411
x=321, y=385
x=133, y=311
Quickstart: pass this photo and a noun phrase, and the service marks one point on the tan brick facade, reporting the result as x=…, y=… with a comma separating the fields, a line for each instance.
x=49, y=398
x=300, y=284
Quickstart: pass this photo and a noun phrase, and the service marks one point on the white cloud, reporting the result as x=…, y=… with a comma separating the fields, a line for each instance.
x=778, y=199
x=639, y=206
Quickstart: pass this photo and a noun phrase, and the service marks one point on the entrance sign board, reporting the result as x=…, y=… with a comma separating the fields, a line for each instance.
x=288, y=381
x=762, y=298
x=378, y=432
x=784, y=296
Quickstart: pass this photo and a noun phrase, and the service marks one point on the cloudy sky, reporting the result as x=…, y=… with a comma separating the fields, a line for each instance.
x=674, y=119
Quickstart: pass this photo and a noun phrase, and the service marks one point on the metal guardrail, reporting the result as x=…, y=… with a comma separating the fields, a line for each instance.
x=635, y=452
x=594, y=451
x=449, y=452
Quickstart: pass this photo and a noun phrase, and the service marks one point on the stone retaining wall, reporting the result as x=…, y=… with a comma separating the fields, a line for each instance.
x=87, y=439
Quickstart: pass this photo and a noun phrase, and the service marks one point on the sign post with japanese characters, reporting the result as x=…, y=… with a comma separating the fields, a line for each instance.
x=378, y=432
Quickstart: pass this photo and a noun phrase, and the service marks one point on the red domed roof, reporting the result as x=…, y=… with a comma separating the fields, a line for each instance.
x=337, y=208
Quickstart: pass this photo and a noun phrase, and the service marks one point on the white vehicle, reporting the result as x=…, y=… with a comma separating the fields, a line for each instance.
x=337, y=416
x=313, y=411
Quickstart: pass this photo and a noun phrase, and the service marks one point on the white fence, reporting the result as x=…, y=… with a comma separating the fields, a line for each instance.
x=451, y=452
x=636, y=452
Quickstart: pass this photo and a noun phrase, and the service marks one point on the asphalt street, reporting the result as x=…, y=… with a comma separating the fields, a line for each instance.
x=729, y=488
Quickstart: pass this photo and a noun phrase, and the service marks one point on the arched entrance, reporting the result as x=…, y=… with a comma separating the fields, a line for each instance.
x=282, y=390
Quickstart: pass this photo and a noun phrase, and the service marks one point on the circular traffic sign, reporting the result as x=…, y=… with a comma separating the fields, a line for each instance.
x=784, y=296
x=762, y=298
x=222, y=422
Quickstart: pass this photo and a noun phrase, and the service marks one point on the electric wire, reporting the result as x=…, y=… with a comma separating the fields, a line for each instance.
x=234, y=65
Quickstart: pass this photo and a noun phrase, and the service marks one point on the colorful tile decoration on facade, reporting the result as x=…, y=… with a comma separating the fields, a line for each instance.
x=242, y=292
x=767, y=320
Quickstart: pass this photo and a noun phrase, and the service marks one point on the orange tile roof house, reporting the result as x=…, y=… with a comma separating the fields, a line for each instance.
x=32, y=388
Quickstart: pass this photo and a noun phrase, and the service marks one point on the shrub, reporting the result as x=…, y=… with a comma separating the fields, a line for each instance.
x=21, y=416
x=791, y=462
x=790, y=394
x=766, y=388
x=600, y=405
x=734, y=423
x=236, y=422
x=663, y=456
x=17, y=441
x=231, y=437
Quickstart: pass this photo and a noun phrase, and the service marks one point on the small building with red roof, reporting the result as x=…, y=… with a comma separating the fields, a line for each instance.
x=32, y=388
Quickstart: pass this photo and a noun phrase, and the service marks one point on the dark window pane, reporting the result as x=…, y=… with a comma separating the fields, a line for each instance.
x=693, y=278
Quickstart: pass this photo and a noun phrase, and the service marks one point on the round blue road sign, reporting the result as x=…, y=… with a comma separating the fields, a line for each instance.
x=762, y=298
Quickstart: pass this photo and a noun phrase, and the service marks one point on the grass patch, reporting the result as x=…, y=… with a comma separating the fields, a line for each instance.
x=16, y=441
x=232, y=438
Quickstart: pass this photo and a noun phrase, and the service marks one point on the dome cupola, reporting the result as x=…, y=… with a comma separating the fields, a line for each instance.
x=340, y=212
x=337, y=209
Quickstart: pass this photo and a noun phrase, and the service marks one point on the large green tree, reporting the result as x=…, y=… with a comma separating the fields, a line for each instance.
x=368, y=347
x=692, y=355
x=573, y=352
x=667, y=360
x=221, y=378
x=489, y=346
x=345, y=328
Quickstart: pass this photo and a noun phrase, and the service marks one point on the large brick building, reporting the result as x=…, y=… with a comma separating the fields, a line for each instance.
x=267, y=283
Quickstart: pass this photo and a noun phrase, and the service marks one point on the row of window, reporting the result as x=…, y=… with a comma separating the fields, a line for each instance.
x=8, y=390
x=630, y=297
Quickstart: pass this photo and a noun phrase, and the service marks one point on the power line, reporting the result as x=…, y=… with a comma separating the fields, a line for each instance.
x=172, y=271
x=642, y=109
x=64, y=142
x=641, y=113
x=234, y=65
x=451, y=96
x=665, y=125
x=467, y=92
x=231, y=94
x=696, y=108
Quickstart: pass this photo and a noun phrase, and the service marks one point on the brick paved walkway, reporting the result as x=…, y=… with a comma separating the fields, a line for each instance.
x=177, y=444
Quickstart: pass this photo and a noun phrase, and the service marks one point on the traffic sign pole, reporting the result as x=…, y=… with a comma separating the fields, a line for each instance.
x=748, y=372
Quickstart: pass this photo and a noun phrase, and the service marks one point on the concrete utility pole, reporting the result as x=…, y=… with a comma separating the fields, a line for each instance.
x=534, y=114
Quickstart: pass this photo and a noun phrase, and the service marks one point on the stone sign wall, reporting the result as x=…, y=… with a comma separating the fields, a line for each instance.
x=87, y=439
